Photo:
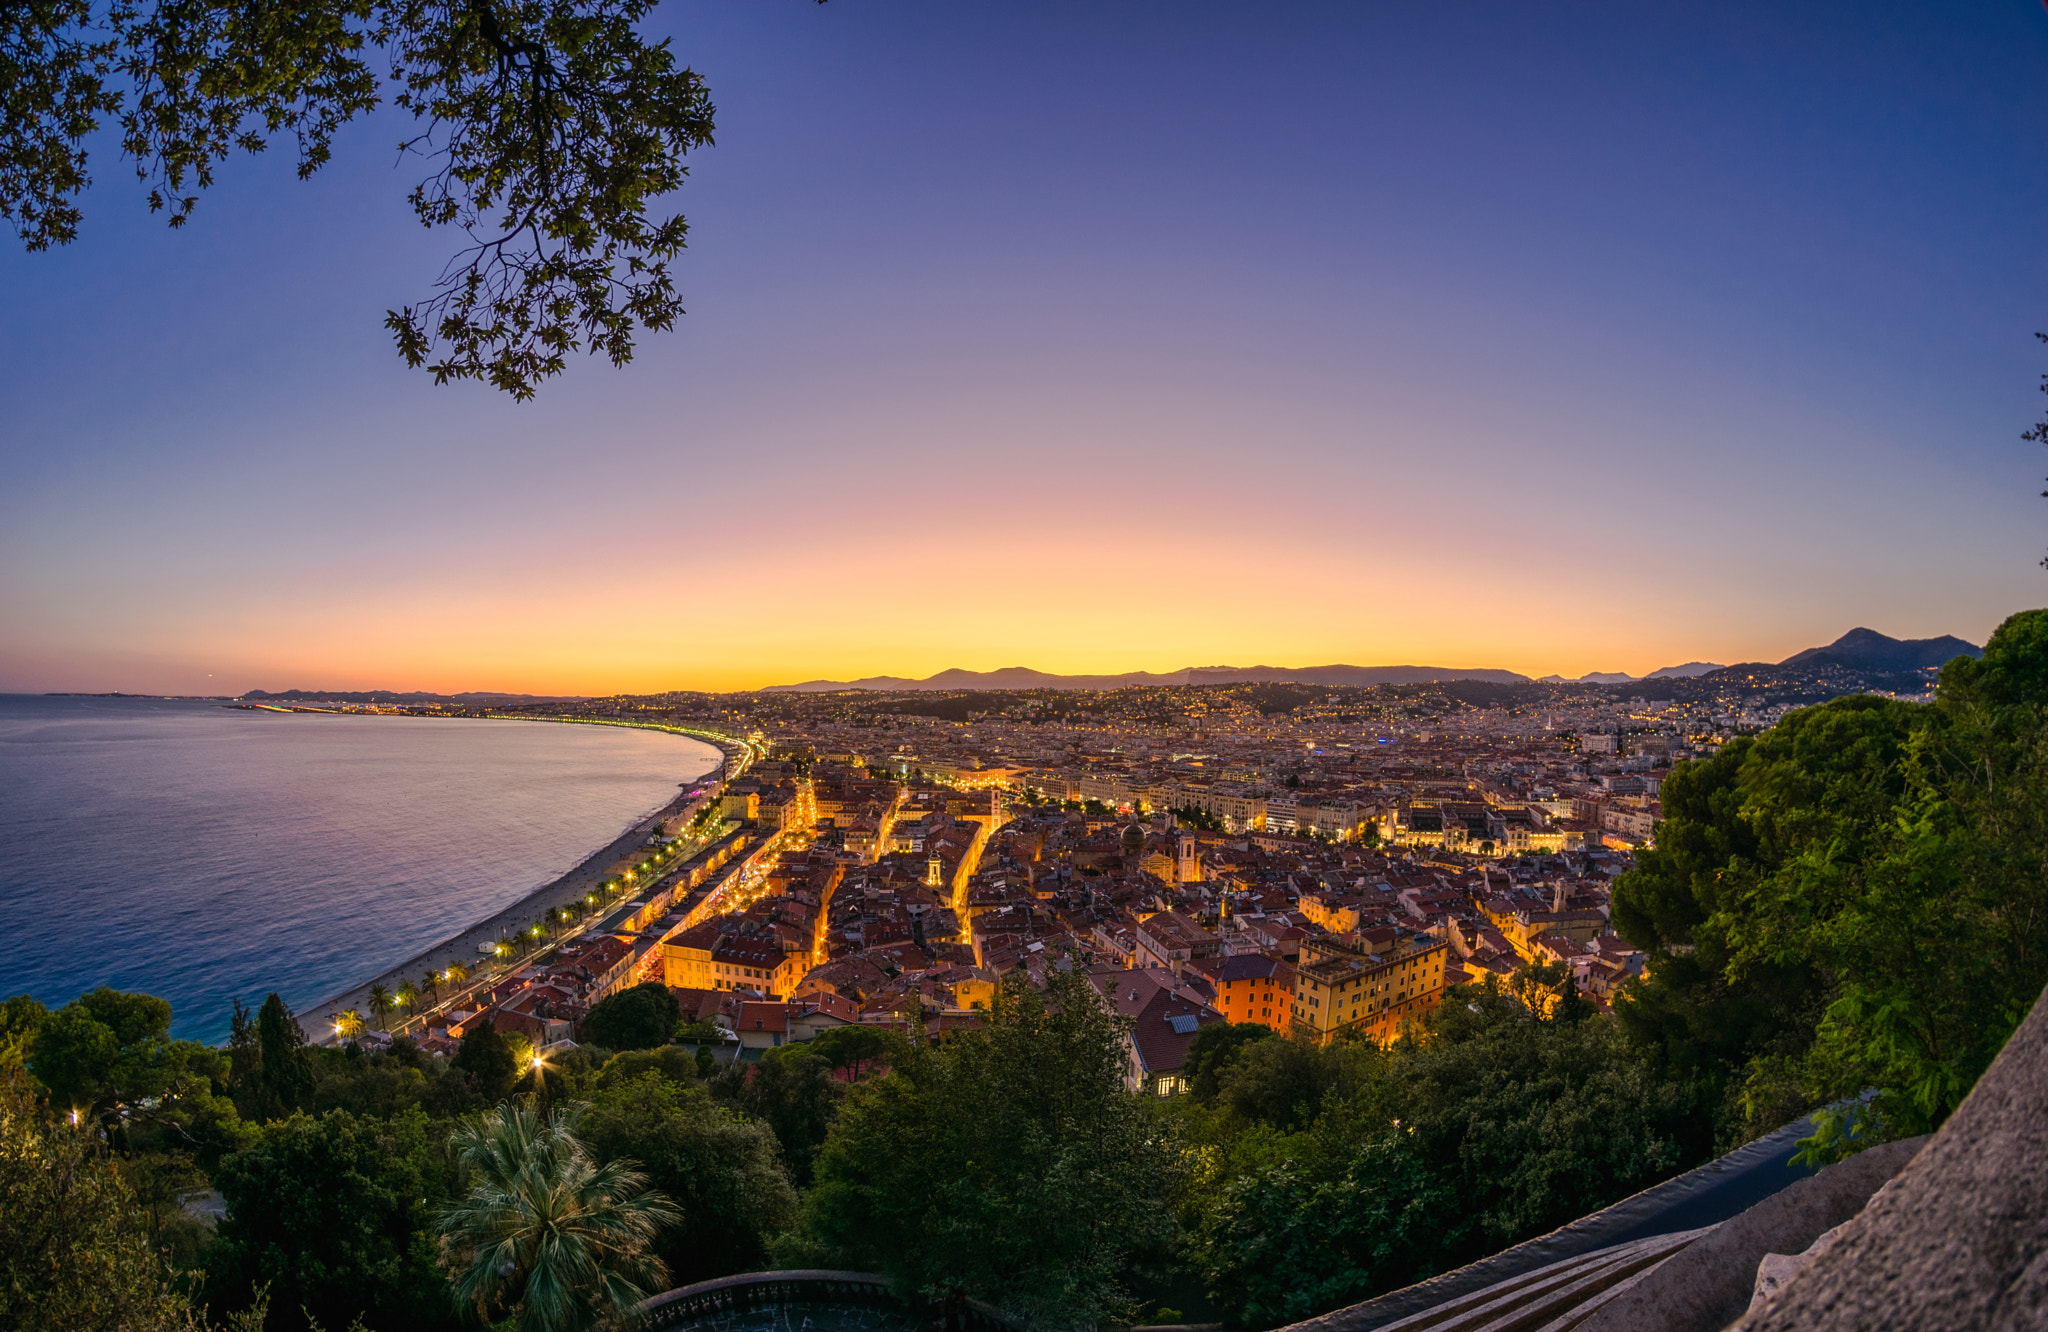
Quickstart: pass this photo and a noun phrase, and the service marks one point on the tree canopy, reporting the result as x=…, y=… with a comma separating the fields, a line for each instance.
x=74, y=1256
x=1009, y=1163
x=1854, y=899
x=336, y=1216
x=1323, y=1175
x=487, y=1058
x=723, y=1170
x=546, y=131
x=634, y=1019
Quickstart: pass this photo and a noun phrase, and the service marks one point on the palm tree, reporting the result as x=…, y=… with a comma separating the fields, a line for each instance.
x=380, y=1003
x=545, y=1233
x=348, y=1024
x=408, y=997
x=457, y=973
x=429, y=984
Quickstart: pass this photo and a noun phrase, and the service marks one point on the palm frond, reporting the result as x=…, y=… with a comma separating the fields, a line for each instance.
x=544, y=1231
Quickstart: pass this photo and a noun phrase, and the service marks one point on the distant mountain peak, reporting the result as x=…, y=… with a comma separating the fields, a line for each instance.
x=1867, y=649
x=1688, y=671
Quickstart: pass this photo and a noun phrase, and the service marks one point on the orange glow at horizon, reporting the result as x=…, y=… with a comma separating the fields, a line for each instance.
x=797, y=612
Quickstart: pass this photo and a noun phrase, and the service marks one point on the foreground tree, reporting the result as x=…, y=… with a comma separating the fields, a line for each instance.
x=334, y=1216
x=1490, y=1126
x=544, y=1233
x=1215, y=1050
x=724, y=1171
x=20, y=1019
x=547, y=129
x=285, y=1074
x=75, y=1253
x=109, y=1054
x=1857, y=898
x=856, y=1048
x=1035, y=1174
x=793, y=1092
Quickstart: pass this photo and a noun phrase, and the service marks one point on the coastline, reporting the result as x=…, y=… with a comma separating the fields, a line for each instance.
x=318, y=1019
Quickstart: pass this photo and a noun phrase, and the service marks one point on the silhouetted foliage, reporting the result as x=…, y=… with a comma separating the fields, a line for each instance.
x=672, y=1062
x=110, y=1054
x=549, y=128
x=859, y=1049
x=1215, y=1050
x=285, y=1073
x=634, y=1019
x=487, y=1059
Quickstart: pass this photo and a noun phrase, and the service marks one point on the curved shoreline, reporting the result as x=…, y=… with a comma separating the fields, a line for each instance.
x=318, y=1019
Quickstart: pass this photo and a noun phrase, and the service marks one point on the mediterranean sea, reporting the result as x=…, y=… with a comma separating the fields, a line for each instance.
x=206, y=854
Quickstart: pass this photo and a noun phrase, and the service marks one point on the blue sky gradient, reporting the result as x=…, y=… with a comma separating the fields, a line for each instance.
x=1099, y=337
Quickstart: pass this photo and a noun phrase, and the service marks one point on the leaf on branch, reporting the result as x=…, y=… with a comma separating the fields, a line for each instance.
x=204, y=75
x=53, y=67
x=552, y=126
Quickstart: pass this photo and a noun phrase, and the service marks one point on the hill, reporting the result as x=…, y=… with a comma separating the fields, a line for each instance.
x=1869, y=650
x=1021, y=677
x=1691, y=670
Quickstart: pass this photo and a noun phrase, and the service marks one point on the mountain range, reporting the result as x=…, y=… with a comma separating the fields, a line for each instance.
x=1688, y=671
x=1022, y=677
x=1869, y=650
x=1859, y=649
x=388, y=696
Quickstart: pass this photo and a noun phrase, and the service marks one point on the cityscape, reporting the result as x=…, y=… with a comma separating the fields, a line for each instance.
x=1349, y=855
x=891, y=666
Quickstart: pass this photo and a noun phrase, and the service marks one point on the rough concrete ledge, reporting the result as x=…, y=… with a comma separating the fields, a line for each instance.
x=1960, y=1239
x=1706, y=1286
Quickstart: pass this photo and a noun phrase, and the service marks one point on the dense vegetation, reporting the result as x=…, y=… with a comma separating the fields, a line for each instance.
x=1010, y=1165
x=1854, y=901
x=1319, y=1176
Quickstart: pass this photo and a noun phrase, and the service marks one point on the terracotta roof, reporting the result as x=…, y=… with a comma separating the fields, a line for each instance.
x=762, y=1017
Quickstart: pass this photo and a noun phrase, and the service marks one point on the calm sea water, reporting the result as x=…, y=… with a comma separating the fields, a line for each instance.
x=204, y=853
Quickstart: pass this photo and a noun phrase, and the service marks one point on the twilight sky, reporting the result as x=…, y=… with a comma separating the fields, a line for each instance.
x=1099, y=337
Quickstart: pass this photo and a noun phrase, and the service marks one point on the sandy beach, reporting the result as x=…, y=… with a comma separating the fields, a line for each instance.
x=318, y=1019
